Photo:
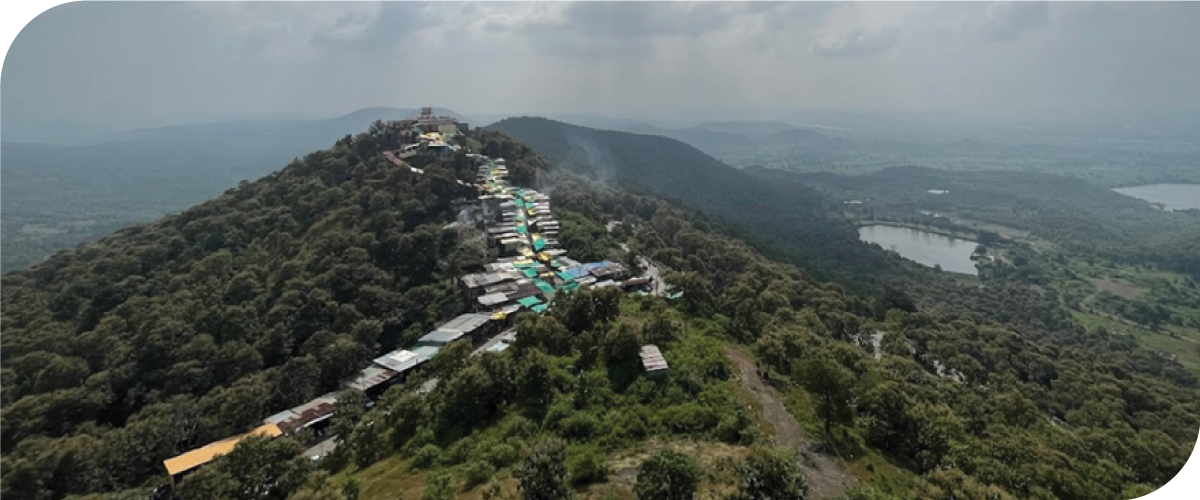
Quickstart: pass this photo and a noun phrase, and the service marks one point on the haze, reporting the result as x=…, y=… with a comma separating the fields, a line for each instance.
x=135, y=64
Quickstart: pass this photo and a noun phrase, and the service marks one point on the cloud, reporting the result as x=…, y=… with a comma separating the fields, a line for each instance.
x=859, y=42
x=1005, y=21
x=624, y=29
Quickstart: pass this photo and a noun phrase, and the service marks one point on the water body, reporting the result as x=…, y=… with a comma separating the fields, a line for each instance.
x=1170, y=196
x=924, y=247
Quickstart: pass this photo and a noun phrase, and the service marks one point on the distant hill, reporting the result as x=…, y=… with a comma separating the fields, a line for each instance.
x=313, y=133
x=747, y=127
x=56, y=197
x=797, y=220
x=795, y=137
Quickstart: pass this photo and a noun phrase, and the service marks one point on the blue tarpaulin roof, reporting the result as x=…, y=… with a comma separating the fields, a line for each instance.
x=577, y=271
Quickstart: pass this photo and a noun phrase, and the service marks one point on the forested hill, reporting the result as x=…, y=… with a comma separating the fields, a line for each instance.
x=797, y=222
x=169, y=335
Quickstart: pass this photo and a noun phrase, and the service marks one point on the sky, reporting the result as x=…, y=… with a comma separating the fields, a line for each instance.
x=129, y=64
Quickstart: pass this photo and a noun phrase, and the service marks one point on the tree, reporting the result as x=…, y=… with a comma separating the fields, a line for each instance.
x=439, y=486
x=668, y=475
x=831, y=383
x=770, y=474
x=542, y=475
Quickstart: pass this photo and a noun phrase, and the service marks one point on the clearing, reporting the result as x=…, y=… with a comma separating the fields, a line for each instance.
x=826, y=477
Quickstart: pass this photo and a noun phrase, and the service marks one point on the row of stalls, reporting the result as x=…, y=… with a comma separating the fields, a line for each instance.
x=311, y=419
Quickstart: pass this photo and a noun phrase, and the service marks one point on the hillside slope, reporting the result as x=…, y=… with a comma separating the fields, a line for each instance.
x=798, y=220
x=169, y=335
x=163, y=336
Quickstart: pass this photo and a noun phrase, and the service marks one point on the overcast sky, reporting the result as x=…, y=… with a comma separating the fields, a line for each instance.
x=141, y=64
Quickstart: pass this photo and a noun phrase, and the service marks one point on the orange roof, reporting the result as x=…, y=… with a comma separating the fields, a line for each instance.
x=206, y=454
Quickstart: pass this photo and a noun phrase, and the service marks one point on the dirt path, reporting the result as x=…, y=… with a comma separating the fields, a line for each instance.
x=826, y=479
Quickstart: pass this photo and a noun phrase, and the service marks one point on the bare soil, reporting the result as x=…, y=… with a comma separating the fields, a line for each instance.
x=826, y=478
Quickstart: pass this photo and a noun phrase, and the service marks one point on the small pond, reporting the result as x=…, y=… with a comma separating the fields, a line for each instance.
x=1169, y=196
x=924, y=247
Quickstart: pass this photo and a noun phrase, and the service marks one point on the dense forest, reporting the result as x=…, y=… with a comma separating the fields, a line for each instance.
x=169, y=335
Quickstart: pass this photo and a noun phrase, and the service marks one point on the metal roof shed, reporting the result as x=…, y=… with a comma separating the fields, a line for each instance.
x=370, y=377
x=440, y=338
x=399, y=361
x=529, y=301
x=207, y=453
x=493, y=299
x=652, y=360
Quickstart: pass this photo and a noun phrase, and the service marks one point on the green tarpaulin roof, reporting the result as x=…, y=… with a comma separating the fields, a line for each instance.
x=529, y=301
x=530, y=272
x=539, y=245
x=566, y=276
x=545, y=287
x=522, y=229
x=539, y=308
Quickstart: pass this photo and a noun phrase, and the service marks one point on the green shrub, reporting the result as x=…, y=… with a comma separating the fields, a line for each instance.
x=426, y=456
x=439, y=486
x=581, y=426
x=668, y=475
x=423, y=436
x=586, y=465
x=477, y=473
x=502, y=455
x=689, y=418
x=458, y=452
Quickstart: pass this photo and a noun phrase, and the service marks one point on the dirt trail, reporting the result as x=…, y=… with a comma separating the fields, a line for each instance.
x=826, y=478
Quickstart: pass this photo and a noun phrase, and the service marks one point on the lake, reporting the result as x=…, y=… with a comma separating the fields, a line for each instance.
x=924, y=247
x=1171, y=196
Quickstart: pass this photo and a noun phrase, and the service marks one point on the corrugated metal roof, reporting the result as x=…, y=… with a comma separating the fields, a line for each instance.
x=399, y=360
x=207, y=453
x=652, y=358
x=441, y=337
x=369, y=377
x=492, y=299
x=465, y=323
x=426, y=352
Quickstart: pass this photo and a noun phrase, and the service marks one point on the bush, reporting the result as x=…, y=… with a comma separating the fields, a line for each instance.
x=458, y=452
x=426, y=456
x=439, y=486
x=477, y=473
x=689, y=418
x=581, y=426
x=668, y=475
x=501, y=455
x=586, y=465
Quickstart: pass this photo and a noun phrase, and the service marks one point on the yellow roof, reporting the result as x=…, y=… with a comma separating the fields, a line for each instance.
x=206, y=454
x=544, y=256
x=498, y=315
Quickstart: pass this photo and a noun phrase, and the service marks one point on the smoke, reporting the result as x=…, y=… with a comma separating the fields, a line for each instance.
x=596, y=159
